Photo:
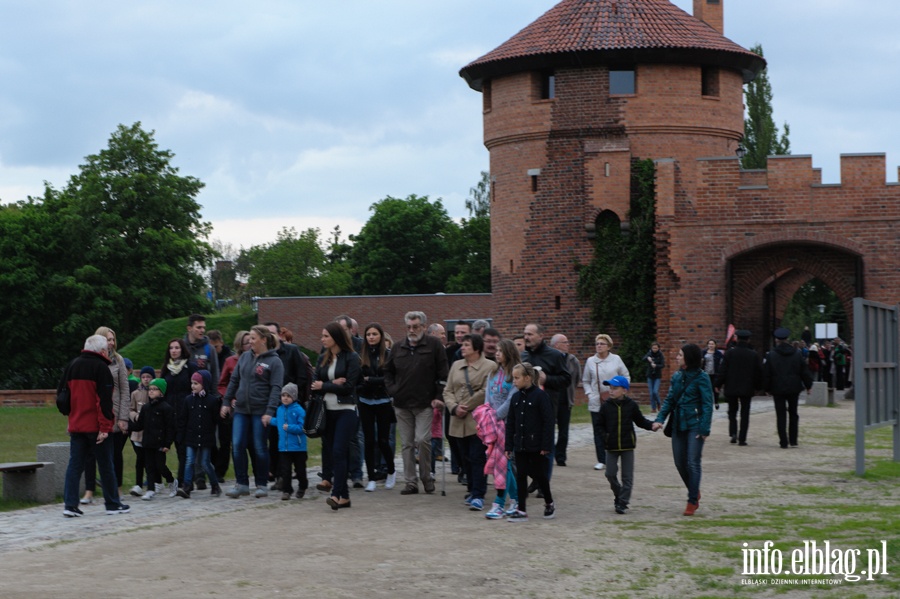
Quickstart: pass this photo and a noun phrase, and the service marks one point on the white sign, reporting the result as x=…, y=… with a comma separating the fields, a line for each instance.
x=826, y=330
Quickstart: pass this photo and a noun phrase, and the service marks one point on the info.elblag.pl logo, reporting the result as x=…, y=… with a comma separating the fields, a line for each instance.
x=814, y=559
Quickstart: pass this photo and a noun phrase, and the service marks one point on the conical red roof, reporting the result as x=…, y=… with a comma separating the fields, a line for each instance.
x=619, y=32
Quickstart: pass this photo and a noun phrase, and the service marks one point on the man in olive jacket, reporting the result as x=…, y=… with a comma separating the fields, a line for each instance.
x=415, y=375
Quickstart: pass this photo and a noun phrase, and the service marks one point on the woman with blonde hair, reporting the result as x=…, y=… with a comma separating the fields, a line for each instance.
x=121, y=412
x=600, y=367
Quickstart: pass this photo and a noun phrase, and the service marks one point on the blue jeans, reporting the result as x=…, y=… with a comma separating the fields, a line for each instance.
x=340, y=427
x=80, y=446
x=687, y=450
x=205, y=455
x=653, y=387
x=247, y=428
x=474, y=458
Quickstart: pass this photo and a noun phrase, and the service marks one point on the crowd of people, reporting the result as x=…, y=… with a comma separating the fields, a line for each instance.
x=503, y=404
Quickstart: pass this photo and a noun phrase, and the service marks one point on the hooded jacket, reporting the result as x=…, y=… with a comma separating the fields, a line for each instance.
x=615, y=423
x=785, y=372
x=691, y=397
x=204, y=354
x=197, y=421
x=294, y=416
x=256, y=384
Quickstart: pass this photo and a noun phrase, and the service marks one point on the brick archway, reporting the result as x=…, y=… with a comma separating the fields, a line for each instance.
x=762, y=280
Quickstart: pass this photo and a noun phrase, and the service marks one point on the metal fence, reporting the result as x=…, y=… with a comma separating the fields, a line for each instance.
x=876, y=373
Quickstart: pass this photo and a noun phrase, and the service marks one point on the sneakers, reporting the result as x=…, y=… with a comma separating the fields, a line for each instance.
x=119, y=509
x=261, y=492
x=599, y=466
x=468, y=500
x=621, y=508
x=370, y=487
x=410, y=489
x=429, y=485
x=357, y=483
x=86, y=500
x=158, y=488
x=300, y=493
x=148, y=495
x=238, y=490
x=184, y=491
x=324, y=486
x=216, y=490
x=285, y=496
x=201, y=484
x=476, y=505
x=72, y=512
x=495, y=513
x=691, y=508
x=549, y=511
x=173, y=488
x=137, y=490
x=518, y=516
x=390, y=481
x=513, y=508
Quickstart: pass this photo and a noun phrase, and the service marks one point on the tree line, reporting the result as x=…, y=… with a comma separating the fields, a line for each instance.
x=123, y=245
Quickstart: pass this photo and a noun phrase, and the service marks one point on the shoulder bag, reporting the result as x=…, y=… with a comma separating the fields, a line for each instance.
x=314, y=423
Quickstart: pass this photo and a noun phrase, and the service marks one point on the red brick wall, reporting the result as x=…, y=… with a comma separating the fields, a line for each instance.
x=306, y=316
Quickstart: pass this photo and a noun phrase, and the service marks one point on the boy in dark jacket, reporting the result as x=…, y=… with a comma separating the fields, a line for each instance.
x=617, y=415
x=157, y=420
x=198, y=421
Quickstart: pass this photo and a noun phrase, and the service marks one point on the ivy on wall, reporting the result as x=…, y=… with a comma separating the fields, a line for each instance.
x=620, y=281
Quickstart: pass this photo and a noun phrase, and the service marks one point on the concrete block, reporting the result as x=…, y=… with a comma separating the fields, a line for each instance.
x=819, y=395
x=58, y=453
x=30, y=486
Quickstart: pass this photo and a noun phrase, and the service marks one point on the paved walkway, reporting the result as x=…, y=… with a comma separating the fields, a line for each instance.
x=43, y=525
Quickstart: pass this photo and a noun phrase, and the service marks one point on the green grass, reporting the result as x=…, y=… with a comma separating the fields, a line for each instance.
x=23, y=429
x=149, y=348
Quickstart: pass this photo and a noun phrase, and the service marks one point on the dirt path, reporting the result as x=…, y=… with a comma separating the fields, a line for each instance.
x=389, y=545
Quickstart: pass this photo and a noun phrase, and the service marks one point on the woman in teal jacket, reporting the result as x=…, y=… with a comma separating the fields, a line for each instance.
x=690, y=402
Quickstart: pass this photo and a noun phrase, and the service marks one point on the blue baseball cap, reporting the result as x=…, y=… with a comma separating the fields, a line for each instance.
x=618, y=381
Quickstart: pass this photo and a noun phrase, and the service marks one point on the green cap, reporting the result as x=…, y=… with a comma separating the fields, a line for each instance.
x=159, y=384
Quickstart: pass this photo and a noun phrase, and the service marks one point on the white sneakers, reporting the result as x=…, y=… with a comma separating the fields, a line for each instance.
x=173, y=488
x=137, y=490
x=390, y=481
x=148, y=495
x=371, y=486
x=599, y=466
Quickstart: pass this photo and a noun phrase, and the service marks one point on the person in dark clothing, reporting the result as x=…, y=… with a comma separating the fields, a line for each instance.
x=554, y=375
x=740, y=376
x=198, y=421
x=156, y=421
x=785, y=374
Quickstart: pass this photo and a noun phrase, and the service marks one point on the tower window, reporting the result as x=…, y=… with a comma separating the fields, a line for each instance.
x=621, y=82
x=548, y=85
x=710, y=81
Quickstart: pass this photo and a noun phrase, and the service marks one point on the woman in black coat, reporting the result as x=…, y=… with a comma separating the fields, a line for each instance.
x=376, y=412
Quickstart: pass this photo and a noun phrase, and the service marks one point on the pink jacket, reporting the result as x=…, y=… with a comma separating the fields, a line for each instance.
x=492, y=433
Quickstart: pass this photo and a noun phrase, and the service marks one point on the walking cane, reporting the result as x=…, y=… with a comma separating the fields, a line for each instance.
x=443, y=456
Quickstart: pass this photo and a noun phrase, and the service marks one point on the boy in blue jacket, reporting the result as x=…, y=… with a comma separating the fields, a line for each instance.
x=616, y=421
x=288, y=422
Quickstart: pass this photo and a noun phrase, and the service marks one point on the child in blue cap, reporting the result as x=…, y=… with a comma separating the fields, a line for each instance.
x=617, y=414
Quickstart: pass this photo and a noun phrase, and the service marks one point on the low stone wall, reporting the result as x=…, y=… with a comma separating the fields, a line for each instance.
x=27, y=397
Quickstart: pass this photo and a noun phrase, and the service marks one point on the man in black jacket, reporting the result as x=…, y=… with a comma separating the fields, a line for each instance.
x=740, y=376
x=554, y=378
x=785, y=374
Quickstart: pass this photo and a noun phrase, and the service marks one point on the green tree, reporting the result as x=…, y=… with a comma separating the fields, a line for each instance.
x=137, y=231
x=405, y=247
x=295, y=264
x=473, y=252
x=761, y=136
x=620, y=280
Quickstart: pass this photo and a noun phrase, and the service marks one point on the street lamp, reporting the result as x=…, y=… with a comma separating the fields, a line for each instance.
x=740, y=152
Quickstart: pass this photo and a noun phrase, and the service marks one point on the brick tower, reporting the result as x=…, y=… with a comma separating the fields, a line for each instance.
x=568, y=102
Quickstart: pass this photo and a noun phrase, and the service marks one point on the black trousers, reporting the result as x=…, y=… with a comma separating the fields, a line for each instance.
x=155, y=461
x=297, y=459
x=533, y=464
x=733, y=404
x=786, y=418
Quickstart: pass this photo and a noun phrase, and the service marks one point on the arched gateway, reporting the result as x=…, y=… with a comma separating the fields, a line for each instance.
x=571, y=100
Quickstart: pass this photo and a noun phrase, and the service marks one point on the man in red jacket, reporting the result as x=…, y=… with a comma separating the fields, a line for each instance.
x=91, y=421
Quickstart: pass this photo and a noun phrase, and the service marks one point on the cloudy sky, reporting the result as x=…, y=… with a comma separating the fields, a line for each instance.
x=300, y=113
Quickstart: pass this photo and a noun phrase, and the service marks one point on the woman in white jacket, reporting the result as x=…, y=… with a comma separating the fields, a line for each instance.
x=600, y=367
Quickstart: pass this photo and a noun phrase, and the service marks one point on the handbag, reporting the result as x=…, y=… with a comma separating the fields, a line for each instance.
x=314, y=423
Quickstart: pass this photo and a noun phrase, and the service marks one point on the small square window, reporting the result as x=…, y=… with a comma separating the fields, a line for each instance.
x=548, y=85
x=710, y=81
x=621, y=82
